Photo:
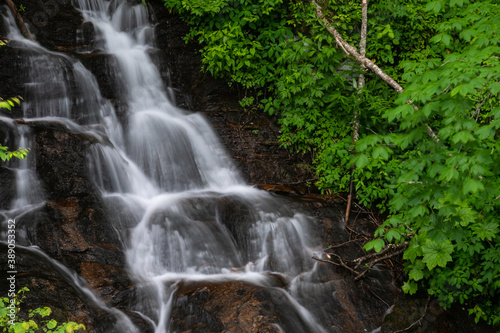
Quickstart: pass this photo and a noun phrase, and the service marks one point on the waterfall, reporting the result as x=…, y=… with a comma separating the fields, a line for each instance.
x=167, y=170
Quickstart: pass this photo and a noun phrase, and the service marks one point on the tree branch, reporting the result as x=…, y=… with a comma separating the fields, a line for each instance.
x=372, y=259
x=376, y=260
x=348, y=49
x=389, y=247
x=364, y=61
x=340, y=263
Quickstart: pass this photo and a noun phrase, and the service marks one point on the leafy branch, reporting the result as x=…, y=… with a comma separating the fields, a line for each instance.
x=20, y=153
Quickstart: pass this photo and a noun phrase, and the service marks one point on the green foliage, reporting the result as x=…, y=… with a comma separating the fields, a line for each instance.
x=448, y=191
x=9, y=103
x=5, y=154
x=442, y=191
x=38, y=318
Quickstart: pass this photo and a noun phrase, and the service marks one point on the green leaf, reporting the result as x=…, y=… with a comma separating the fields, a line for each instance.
x=446, y=39
x=463, y=136
x=410, y=287
x=4, y=105
x=361, y=161
x=416, y=272
x=377, y=245
x=486, y=230
x=434, y=6
x=467, y=89
x=472, y=186
x=485, y=132
x=393, y=234
x=51, y=324
x=436, y=254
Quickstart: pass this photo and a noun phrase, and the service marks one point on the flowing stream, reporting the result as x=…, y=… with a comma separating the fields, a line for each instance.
x=166, y=168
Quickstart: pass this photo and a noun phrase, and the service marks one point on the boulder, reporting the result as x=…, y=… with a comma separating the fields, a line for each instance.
x=234, y=307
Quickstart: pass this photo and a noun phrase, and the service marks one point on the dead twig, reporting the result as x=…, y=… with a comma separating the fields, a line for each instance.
x=340, y=263
x=377, y=260
x=345, y=243
x=389, y=247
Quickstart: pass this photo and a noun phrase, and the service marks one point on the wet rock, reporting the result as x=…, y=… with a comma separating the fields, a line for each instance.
x=419, y=314
x=61, y=160
x=54, y=23
x=73, y=229
x=234, y=307
x=49, y=286
x=102, y=66
x=12, y=76
x=235, y=214
x=7, y=187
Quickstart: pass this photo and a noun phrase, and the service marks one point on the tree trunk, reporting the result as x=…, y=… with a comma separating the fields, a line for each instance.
x=349, y=50
x=367, y=64
x=361, y=84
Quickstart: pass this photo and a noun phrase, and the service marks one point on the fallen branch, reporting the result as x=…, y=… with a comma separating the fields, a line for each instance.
x=345, y=243
x=369, y=260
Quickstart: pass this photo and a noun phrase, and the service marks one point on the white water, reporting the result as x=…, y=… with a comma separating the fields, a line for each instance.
x=165, y=175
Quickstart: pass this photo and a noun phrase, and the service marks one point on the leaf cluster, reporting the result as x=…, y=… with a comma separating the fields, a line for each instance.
x=441, y=191
x=38, y=318
x=448, y=189
x=5, y=154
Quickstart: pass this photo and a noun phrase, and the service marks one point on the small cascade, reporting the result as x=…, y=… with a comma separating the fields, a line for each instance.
x=123, y=323
x=28, y=192
x=28, y=189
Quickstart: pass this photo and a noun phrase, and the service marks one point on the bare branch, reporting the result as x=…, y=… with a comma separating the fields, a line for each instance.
x=345, y=243
x=389, y=247
x=377, y=260
x=365, y=62
x=361, y=84
x=340, y=263
x=353, y=52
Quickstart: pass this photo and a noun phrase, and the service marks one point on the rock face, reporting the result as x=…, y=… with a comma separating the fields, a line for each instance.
x=234, y=307
x=53, y=23
x=72, y=228
x=250, y=137
x=418, y=314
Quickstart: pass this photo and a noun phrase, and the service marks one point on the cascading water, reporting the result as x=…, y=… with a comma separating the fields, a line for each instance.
x=167, y=170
